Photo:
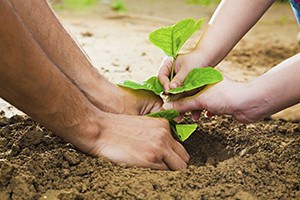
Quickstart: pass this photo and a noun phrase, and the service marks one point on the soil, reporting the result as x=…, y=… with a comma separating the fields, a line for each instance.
x=229, y=160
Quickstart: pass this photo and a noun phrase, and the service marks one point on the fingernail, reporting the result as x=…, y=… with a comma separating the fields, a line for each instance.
x=168, y=106
x=179, y=119
x=173, y=85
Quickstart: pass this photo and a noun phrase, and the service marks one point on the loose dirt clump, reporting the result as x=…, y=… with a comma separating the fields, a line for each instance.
x=229, y=160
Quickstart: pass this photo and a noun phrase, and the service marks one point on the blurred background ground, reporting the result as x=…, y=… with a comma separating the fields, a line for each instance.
x=114, y=34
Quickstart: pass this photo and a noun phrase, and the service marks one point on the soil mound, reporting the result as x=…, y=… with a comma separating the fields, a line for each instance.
x=229, y=160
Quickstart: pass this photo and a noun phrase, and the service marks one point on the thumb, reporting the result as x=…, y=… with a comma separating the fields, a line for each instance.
x=164, y=73
x=184, y=105
x=178, y=79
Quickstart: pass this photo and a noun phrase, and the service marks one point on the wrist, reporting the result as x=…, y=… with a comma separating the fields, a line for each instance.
x=120, y=100
x=203, y=58
x=250, y=104
x=79, y=125
x=105, y=95
x=87, y=133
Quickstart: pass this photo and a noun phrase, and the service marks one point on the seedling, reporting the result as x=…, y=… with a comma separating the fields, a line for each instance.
x=170, y=39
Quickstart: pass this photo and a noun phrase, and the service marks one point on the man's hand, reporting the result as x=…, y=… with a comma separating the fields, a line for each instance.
x=140, y=102
x=34, y=83
x=139, y=141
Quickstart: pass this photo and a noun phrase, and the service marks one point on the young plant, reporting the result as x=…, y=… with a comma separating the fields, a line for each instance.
x=170, y=39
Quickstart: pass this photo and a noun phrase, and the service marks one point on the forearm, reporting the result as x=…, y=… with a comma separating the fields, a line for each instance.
x=230, y=22
x=66, y=54
x=31, y=82
x=273, y=91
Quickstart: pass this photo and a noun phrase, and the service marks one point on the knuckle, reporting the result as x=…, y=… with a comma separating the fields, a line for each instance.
x=162, y=125
x=165, y=122
x=161, y=136
x=153, y=156
x=167, y=61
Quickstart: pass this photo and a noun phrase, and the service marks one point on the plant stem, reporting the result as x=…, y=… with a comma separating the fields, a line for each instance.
x=173, y=69
x=172, y=74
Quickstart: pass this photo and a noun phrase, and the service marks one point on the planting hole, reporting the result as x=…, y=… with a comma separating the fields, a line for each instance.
x=205, y=149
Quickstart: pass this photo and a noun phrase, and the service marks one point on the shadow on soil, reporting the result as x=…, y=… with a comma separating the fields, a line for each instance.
x=207, y=149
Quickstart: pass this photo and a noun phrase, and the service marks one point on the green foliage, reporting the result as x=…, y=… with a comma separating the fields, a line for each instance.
x=197, y=78
x=118, y=6
x=167, y=114
x=152, y=84
x=74, y=4
x=181, y=131
x=203, y=2
x=171, y=38
x=184, y=131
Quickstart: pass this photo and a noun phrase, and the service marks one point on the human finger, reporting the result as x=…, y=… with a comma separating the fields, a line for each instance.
x=180, y=150
x=185, y=94
x=174, y=161
x=179, y=118
x=183, y=105
x=158, y=166
x=178, y=79
x=196, y=115
x=165, y=72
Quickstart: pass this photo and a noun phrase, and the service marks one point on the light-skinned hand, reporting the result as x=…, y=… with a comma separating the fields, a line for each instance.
x=183, y=65
x=225, y=97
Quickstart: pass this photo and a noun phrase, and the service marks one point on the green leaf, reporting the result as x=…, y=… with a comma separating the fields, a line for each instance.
x=171, y=38
x=183, y=131
x=168, y=114
x=152, y=84
x=197, y=78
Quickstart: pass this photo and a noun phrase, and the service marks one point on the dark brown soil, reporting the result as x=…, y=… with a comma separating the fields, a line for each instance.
x=229, y=160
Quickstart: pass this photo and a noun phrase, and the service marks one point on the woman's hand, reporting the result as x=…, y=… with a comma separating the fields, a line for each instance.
x=225, y=97
x=183, y=65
